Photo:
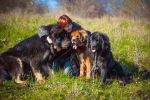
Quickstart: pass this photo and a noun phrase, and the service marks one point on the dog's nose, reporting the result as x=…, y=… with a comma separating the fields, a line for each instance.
x=93, y=46
x=73, y=40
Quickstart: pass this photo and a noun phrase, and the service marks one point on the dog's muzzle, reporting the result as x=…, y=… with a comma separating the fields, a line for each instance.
x=74, y=46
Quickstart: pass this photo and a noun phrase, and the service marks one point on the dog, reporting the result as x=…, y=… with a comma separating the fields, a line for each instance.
x=102, y=58
x=79, y=40
x=35, y=52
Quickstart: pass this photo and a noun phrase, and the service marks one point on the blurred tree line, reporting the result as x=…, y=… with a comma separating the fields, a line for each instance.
x=136, y=8
x=83, y=8
x=22, y=6
x=98, y=8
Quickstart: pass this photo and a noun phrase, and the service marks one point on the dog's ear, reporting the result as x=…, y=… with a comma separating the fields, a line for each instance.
x=84, y=35
x=105, y=43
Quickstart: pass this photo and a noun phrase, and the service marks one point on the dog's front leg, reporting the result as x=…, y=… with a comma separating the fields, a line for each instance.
x=81, y=68
x=36, y=72
x=38, y=76
x=93, y=71
x=88, y=68
x=82, y=64
x=103, y=74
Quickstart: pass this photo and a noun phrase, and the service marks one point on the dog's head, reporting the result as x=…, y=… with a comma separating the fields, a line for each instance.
x=99, y=42
x=78, y=38
x=59, y=38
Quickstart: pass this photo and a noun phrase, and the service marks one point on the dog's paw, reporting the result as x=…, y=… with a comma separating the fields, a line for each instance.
x=122, y=82
x=20, y=82
x=81, y=75
x=88, y=78
x=40, y=81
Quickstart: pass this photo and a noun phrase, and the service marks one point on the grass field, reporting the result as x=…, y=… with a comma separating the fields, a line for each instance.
x=130, y=43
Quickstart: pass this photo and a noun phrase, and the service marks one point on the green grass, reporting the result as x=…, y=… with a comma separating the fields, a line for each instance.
x=130, y=43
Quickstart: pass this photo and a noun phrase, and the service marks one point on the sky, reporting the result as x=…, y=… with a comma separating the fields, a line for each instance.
x=52, y=4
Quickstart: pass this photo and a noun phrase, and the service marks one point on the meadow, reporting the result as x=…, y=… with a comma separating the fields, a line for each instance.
x=130, y=43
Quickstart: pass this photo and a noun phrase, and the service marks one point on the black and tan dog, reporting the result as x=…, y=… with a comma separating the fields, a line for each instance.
x=102, y=58
x=79, y=40
x=35, y=52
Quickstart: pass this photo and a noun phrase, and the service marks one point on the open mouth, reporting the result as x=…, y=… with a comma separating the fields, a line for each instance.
x=74, y=46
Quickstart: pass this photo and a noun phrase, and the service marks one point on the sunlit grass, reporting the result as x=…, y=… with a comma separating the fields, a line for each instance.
x=130, y=43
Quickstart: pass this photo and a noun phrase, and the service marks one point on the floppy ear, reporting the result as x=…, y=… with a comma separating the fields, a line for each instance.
x=105, y=43
x=81, y=37
x=83, y=34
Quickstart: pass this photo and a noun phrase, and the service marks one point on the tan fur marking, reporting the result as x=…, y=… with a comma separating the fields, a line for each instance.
x=88, y=66
x=81, y=69
x=20, y=63
x=38, y=77
x=18, y=81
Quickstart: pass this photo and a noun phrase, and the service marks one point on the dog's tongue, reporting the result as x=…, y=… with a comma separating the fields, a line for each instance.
x=74, y=47
x=93, y=50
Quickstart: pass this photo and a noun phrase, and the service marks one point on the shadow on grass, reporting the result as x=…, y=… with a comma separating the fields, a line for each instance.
x=140, y=77
x=135, y=71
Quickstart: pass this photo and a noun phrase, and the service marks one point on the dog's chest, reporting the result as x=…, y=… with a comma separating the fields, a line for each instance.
x=82, y=52
x=99, y=61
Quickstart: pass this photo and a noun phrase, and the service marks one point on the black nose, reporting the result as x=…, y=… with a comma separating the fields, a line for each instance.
x=93, y=46
x=73, y=40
